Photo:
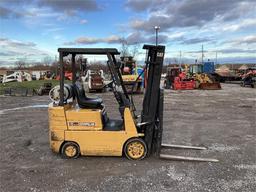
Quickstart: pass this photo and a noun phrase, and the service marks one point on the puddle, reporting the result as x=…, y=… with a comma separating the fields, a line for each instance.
x=19, y=108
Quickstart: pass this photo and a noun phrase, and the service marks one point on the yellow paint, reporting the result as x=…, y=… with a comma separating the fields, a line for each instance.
x=57, y=135
x=55, y=146
x=92, y=140
x=129, y=123
x=57, y=119
x=203, y=78
x=57, y=126
x=104, y=143
x=86, y=119
x=130, y=78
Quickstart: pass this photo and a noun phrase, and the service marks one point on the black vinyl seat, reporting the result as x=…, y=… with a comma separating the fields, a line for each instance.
x=85, y=102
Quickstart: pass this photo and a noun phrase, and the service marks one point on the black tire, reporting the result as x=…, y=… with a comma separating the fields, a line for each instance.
x=141, y=146
x=70, y=150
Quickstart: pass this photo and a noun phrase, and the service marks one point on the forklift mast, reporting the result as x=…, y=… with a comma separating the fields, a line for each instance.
x=152, y=111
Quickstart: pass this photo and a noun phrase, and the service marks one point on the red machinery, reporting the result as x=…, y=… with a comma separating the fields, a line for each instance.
x=171, y=73
x=249, y=78
x=183, y=83
x=67, y=75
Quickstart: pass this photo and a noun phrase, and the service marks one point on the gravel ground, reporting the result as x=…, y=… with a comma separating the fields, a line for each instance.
x=222, y=120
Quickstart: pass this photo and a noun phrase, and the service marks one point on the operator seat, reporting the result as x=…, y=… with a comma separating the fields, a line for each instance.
x=85, y=102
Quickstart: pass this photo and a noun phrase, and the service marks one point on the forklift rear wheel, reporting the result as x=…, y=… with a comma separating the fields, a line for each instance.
x=135, y=149
x=70, y=150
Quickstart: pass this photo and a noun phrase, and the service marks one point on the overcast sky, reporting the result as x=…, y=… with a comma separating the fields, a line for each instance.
x=33, y=29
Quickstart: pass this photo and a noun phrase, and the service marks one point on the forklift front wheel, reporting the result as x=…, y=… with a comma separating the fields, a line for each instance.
x=135, y=149
x=70, y=150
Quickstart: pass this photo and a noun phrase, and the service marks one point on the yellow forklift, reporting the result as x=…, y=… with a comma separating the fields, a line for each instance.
x=129, y=71
x=203, y=80
x=79, y=125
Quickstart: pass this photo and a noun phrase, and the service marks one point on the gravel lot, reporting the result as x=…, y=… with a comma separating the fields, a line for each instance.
x=222, y=120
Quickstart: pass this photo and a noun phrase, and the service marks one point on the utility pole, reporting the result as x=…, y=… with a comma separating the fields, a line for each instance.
x=216, y=58
x=57, y=65
x=180, y=60
x=157, y=29
x=202, y=54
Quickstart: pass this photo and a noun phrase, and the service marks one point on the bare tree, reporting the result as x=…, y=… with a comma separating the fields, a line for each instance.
x=135, y=50
x=47, y=60
x=20, y=64
x=124, y=47
x=96, y=66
